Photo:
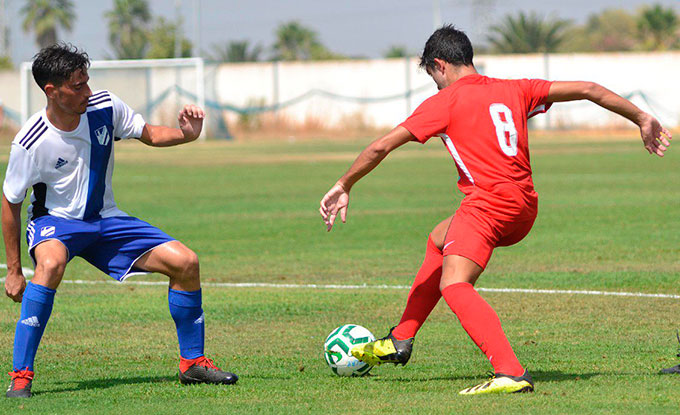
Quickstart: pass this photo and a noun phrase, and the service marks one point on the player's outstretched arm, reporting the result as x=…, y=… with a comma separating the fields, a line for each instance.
x=190, y=125
x=654, y=137
x=15, y=283
x=336, y=200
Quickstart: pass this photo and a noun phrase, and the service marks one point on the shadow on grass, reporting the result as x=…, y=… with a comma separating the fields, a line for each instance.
x=538, y=375
x=557, y=376
x=109, y=383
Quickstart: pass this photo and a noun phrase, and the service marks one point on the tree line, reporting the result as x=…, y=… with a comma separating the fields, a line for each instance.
x=652, y=28
x=134, y=33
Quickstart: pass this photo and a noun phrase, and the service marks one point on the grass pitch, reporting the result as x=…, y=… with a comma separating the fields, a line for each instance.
x=608, y=221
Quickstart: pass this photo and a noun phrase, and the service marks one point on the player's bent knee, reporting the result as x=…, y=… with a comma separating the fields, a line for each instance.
x=184, y=265
x=456, y=269
x=52, y=265
x=190, y=266
x=443, y=283
x=49, y=271
x=466, y=278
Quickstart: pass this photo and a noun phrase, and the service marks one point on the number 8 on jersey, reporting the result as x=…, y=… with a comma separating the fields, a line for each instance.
x=504, y=125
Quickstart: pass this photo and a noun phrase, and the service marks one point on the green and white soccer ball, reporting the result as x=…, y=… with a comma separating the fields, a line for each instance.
x=337, y=347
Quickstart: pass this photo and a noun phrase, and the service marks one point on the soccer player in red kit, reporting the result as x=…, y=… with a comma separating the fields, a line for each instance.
x=483, y=124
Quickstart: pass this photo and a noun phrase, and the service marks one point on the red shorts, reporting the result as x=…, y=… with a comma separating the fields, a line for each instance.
x=473, y=234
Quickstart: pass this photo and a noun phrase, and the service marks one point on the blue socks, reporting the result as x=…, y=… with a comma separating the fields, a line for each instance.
x=185, y=309
x=36, y=308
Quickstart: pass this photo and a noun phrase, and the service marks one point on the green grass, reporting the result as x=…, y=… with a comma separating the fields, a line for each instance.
x=608, y=221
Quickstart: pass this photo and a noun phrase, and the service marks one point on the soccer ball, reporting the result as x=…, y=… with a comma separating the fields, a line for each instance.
x=337, y=347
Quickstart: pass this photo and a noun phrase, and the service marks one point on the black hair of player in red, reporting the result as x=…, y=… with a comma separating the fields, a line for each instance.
x=448, y=44
x=55, y=64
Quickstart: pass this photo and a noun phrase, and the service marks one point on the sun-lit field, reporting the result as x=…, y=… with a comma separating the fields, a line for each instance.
x=609, y=221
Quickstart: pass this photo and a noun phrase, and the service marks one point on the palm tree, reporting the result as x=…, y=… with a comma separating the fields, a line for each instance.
x=528, y=33
x=162, y=38
x=297, y=42
x=44, y=16
x=237, y=51
x=128, y=23
x=658, y=27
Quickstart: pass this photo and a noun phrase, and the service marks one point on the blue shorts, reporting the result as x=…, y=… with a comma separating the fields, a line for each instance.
x=110, y=244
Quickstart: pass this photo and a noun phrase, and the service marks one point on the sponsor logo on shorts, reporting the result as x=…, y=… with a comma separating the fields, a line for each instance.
x=47, y=231
x=31, y=321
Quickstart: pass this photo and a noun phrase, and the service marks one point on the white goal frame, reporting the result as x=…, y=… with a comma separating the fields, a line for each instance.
x=197, y=63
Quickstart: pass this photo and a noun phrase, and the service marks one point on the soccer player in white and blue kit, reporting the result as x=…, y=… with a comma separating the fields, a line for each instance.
x=65, y=154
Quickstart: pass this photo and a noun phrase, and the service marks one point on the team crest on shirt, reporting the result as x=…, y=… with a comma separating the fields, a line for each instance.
x=102, y=134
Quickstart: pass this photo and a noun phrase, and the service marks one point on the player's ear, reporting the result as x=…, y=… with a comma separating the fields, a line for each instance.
x=439, y=65
x=50, y=90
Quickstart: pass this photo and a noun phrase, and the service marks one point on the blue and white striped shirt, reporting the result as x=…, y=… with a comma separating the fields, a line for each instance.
x=70, y=171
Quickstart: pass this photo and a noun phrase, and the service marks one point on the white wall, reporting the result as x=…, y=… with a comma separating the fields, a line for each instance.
x=242, y=85
x=654, y=74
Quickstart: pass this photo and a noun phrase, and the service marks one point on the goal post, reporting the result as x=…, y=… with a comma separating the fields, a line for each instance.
x=155, y=88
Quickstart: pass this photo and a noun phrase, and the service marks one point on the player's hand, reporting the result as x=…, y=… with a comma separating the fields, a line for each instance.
x=655, y=138
x=15, y=284
x=336, y=200
x=191, y=121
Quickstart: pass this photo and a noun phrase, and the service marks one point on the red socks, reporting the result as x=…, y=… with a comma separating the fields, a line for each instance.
x=481, y=322
x=424, y=294
x=477, y=317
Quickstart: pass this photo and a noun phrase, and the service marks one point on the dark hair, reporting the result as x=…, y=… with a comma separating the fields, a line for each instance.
x=55, y=64
x=448, y=44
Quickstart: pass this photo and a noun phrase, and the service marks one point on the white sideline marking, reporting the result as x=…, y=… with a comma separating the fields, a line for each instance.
x=581, y=292
x=370, y=287
x=27, y=271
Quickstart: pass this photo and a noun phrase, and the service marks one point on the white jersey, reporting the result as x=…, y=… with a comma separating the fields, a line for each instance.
x=70, y=171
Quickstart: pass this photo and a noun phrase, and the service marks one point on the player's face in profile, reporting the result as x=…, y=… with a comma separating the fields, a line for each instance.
x=73, y=94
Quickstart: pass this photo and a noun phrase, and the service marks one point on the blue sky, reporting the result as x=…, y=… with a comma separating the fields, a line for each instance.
x=352, y=27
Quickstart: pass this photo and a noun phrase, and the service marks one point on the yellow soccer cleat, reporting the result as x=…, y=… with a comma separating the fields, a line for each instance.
x=501, y=383
x=385, y=350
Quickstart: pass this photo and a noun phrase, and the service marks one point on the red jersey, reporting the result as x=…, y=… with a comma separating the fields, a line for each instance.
x=483, y=123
